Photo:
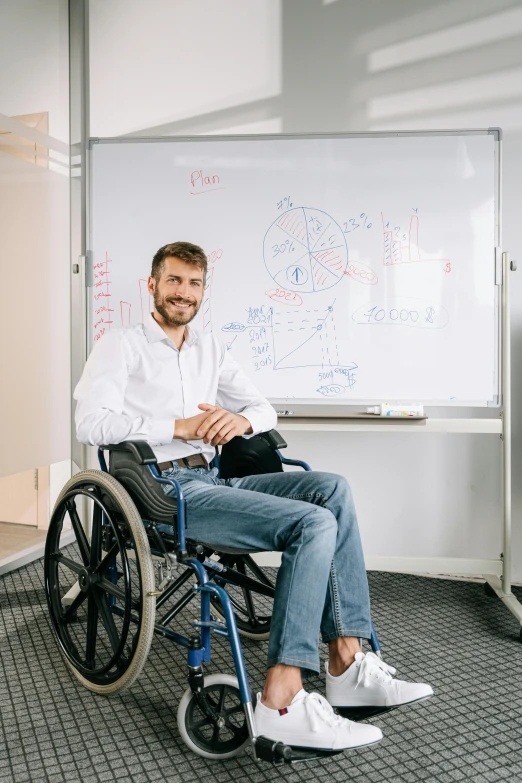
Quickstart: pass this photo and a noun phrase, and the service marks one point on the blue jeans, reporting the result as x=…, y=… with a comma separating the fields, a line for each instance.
x=310, y=517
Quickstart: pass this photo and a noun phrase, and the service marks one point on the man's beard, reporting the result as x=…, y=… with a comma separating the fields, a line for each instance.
x=181, y=319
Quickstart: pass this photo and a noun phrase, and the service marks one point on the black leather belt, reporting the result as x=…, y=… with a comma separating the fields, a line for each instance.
x=193, y=461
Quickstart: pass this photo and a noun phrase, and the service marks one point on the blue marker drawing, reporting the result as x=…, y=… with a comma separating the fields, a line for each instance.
x=346, y=370
x=305, y=338
x=233, y=326
x=305, y=250
x=332, y=389
x=231, y=343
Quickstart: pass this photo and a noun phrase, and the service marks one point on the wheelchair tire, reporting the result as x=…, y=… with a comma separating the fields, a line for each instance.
x=198, y=731
x=111, y=573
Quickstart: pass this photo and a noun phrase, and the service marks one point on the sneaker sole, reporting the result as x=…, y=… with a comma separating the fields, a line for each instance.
x=362, y=713
x=330, y=751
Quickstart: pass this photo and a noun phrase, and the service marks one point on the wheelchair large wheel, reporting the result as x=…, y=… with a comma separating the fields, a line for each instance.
x=253, y=611
x=214, y=739
x=105, y=624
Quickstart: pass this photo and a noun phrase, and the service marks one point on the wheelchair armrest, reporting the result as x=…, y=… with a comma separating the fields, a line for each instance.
x=274, y=439
x=140, y=450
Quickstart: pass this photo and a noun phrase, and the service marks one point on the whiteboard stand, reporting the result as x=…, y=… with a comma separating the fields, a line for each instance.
x=502, y=586
x=107, y=160
x=500, y=582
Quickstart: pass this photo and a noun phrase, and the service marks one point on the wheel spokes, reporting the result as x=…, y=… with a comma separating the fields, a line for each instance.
x=98, y=628
x=113, y=589
x=236, y=730
x=247, y=595
x=107, y=559
x=222, y=698
x=92, y=631
x=215, y=736
x=96, y=539
x=107, y=619
x=61, y=559
x=257, y=571
x=81, y=538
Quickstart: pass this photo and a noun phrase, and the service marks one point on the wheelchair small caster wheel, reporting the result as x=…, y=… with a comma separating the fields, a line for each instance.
x=489, y=590
x=214, y=739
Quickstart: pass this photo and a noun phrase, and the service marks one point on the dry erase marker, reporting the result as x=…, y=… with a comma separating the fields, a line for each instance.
x=285, y=413
x=396, y=411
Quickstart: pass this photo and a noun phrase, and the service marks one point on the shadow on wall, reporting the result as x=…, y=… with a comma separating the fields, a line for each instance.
x=375, y=65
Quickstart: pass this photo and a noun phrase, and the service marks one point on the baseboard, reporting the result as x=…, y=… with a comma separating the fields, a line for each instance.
x=443, y=566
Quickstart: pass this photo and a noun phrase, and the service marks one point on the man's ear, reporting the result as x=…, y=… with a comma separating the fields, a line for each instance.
x=151, y=285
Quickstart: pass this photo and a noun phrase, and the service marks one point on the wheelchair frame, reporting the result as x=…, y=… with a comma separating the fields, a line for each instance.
x=210, y=576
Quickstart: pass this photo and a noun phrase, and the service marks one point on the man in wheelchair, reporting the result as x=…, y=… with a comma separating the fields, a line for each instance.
x=179, y=390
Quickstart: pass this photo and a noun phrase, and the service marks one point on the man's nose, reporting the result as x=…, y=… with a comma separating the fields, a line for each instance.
x=184, y=290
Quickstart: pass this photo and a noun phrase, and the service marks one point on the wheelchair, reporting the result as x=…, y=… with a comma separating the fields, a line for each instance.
x=104, y=593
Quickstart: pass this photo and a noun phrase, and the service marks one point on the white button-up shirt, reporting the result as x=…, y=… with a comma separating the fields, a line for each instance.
x=136, y=383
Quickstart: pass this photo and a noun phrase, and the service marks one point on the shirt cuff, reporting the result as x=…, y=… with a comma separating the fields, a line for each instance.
x=161, y=432
x=256, y=422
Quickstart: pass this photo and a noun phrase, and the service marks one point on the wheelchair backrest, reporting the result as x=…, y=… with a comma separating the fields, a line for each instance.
x=147, y=494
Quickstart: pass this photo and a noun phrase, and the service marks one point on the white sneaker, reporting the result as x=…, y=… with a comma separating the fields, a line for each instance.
x=310, y=722
x=369, y=683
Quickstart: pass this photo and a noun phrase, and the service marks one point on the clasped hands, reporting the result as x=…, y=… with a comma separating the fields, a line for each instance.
x=215, y=425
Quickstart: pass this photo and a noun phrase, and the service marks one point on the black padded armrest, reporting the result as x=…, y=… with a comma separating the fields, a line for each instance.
x=140, y=450
x=274, y=439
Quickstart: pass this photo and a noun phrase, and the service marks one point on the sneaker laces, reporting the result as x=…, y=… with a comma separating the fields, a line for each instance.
x=320, y=711
x=374, y=666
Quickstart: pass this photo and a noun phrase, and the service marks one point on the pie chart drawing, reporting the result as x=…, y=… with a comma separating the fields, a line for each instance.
x=305, y=250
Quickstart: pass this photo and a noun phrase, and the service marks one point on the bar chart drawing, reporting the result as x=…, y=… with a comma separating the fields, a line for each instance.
x=402, y=247
x=125, y=313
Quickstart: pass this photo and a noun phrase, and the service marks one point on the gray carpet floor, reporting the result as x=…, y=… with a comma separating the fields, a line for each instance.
x=443, y=632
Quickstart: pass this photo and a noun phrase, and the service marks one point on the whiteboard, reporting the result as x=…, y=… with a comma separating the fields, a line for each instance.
x=342, y=269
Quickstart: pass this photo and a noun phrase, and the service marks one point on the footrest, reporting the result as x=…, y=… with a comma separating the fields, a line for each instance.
x=361, y=713
x=278, y=753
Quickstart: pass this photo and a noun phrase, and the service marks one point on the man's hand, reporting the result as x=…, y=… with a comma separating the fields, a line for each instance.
x=215, y=425
x=186, y=429
x=220, y=426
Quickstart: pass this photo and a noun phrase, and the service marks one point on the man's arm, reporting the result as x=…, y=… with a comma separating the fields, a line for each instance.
x=100, y=396
x=240, y=410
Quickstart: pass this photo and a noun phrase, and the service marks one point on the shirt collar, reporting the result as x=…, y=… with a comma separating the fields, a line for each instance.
x=154, y=333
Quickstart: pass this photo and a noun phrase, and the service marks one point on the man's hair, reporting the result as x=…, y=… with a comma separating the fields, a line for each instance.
x=191, y=254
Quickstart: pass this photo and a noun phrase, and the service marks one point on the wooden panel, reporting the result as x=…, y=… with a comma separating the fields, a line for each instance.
x=19, y=499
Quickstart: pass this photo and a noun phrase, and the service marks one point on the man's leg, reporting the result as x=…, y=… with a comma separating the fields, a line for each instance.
x=346, y=613
x=306, y=534
x=353, y=679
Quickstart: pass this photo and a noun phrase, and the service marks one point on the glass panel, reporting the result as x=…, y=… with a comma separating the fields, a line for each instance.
x=34, y=236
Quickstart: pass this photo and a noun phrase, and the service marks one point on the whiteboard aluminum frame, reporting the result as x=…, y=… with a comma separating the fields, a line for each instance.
x=497, y=573
x=313, y=407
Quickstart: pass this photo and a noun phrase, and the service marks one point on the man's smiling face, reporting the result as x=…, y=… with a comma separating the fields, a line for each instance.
x=179, y=292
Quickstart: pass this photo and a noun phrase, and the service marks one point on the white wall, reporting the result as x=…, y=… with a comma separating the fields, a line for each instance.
x=183, y=67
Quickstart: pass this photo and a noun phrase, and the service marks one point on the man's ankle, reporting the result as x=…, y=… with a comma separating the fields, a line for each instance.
x=278, y=700
x=342, y=653
x=282, y=684
x=336, y=666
